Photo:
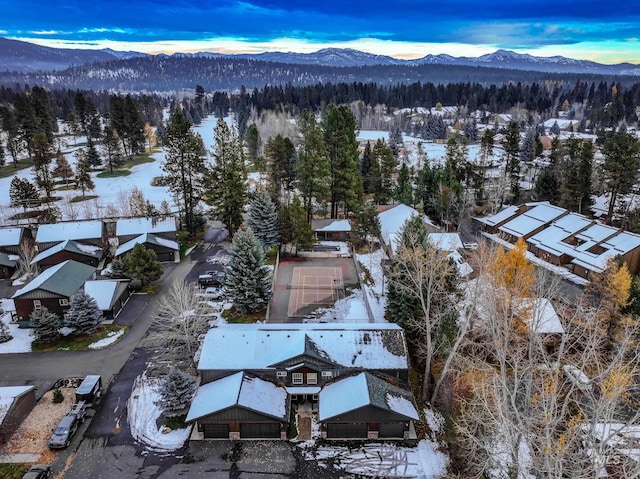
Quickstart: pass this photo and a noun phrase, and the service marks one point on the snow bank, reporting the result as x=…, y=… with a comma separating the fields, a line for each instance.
x=111, y=338
x=143, y=413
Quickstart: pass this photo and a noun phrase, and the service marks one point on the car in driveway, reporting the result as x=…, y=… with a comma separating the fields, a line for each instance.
x=212, y=292
x=38, y=471
x=64, y=431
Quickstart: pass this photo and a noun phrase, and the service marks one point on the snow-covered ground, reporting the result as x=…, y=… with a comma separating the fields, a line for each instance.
x=22, y=339
x=111, y=338
x=376, y=291
x=143, y=413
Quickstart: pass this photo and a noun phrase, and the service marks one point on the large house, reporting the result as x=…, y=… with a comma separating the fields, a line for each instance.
x=52, y=289
x=69, y=249
x=90, y=232
x=582, y=245
x=157, y=234
x=254, y=376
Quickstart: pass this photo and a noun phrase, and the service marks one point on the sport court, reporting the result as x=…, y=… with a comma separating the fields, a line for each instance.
x=304, y=285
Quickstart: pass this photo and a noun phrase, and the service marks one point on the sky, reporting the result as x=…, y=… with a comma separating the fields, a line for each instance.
x=606, y=32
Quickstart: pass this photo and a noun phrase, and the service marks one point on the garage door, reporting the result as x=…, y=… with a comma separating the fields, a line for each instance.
x=347, y=430
x=260, y=431
x=215, y=431
x=391, y=429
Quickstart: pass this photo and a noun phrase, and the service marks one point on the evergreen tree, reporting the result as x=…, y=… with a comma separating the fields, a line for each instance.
x=281, y=159
x=83, y=177
x=42, y=158
x=3, y=156
x=366, y=167
x=111, y=149
x=383, y=169
x=252, y=139
x=547, y=187
x=93, y=157
x=342, y=150
x=83, y=316
x=226, y=180
x=142, y=264
x=248, y=282
x=367, y=227
x=22, y=193
x=511, y=145
x=118, y=269
x=313, y=164
x=555, y=129
x=5, y=333
x=528, y=148
x=46, y=326
x=403, y=191
x=184, y=166
x=263, y=220
x=176, y=392
x=63, y=168
x=620, y=168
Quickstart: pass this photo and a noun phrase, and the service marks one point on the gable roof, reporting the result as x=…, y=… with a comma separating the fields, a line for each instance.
x=392, y=221
x=506, y=214
x=74, y=230
x=330, y=225
x=363, y=390
x=63, y=279
x=10, y=236
x=138, y=226
x=265, y=346
x=541, y=317
x=445, y=241
x=105, y=292
x=147, y=238
x=72, y=247
x=8, y=260
x=530, y=220
x=241, y=390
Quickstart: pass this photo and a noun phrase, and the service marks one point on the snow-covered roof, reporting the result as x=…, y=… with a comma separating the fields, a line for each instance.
x=71, y=246
x=103, y=291
x=138, y=226
x=8, y=260
x=505, y=214
x=392, y=221
x=74, y=230
x=8, y=395
x=531, y=220
x=464, y=268
x=332, y=225
x=446, y=241
x=63, y=279
x=240, y=390
x=265, y=346
x=541, y=316
x=362, y=390
x=10, y=236
x=147, y=238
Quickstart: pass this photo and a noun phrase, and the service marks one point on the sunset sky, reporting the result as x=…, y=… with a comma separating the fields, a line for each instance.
x=607, y=32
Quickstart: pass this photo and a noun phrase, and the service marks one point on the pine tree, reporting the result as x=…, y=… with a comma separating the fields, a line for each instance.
x=93, y=157
x=252, y=139
x=184, y=166
x=547, y=187
x=280, y=155
x=83, y=177
x=46, y=326
x=403, y=191
x=118, y=269
x=620, y=168
x=226, y=180
x=42, y=158
x=383, y=169
x=22, y=193
x=263, y=220
x=247, y=282
x=365, y=169
x=5, y=334
x=84, y=315
x=111, y=149
x=367, y=224
x=176, y=392
x=142, y=263
x=511, y=145
x=63, y=168
x=342, y=150
x=313, y=165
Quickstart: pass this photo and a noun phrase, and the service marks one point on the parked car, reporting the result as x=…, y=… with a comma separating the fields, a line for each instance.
x=38, y=471
x=212, y=292
x=470, y=245
x=64, y=431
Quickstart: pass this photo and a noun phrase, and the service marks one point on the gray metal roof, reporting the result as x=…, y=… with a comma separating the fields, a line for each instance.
x=63, y=279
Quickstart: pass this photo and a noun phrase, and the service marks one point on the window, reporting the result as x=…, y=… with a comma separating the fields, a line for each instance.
x=315, y=397
x=281, y=374
x=37, y=304
x=327, y=374
x=312, y=378
x=297, y=378
x=63, y=302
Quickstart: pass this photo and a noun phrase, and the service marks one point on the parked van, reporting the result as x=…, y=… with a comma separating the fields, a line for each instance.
x=89, y=390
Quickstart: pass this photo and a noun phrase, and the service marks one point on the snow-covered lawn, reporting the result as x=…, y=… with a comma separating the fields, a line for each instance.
x=21, y=342
x=143, y=415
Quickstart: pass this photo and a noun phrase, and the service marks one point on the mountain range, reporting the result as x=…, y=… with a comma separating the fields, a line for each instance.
x=26, y=57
